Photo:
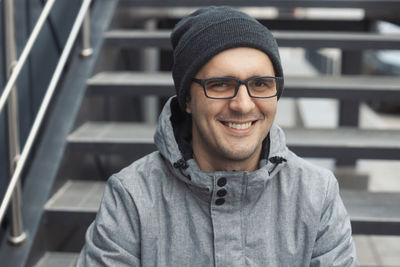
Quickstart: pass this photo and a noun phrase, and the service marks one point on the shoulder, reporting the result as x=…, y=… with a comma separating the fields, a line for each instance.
x=307, y=172
x=143, y=177
x=312, y=184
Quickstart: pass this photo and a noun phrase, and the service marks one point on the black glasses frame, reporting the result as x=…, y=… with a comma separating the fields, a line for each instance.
x=203, y=82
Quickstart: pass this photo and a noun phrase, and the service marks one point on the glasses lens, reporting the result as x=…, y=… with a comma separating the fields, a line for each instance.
x=262, y=87
x=220, y=87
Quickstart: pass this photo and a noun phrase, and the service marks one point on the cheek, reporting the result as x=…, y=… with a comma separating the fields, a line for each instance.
x=268, y=108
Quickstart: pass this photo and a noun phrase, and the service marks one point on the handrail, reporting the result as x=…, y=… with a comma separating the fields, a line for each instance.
x=49, y=93
x=24, y=55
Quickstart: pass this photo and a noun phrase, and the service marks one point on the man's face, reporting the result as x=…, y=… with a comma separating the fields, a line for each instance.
x=228, y=133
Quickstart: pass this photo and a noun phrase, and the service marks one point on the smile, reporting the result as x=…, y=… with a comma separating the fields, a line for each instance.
x=241, y=126
x=238, y=126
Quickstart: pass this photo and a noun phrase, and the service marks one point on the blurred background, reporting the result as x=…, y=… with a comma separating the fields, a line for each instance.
x=82, y=84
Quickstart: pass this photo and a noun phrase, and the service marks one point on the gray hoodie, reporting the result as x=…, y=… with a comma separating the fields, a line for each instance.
x=162, y=210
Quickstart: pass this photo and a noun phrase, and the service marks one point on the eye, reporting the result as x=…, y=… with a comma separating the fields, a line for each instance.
x=263, y=83
x=220, y=84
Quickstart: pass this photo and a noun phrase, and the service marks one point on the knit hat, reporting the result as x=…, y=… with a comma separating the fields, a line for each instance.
x=203, y=34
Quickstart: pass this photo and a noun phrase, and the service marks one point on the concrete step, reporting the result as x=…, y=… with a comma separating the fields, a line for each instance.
x=136, y=139
x=355, y=87
x=306, y=39
x=58, y=259
x=370, y=212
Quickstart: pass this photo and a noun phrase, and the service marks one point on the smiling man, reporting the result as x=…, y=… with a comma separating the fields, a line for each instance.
x=223, y=189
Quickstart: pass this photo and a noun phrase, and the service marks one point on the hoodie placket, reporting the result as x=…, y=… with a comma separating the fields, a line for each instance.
x=226, y=214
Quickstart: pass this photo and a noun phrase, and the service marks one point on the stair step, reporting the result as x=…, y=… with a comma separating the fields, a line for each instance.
x=131, y=83
x=77, y=196
x=370, y=212
x=133, y=139
x=357, y=87
x=373, y=213
x=137, y=139
x=59, y=259
x=306, y=39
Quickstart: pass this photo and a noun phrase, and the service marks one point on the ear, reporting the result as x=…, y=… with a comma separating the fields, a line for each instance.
x=188, y=102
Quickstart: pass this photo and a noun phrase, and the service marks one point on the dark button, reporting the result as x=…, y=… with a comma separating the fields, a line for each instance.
x=221, y=192
x=219, y=201
x=221, y=182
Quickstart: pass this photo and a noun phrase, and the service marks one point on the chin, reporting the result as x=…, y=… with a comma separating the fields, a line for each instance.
x=238, y=154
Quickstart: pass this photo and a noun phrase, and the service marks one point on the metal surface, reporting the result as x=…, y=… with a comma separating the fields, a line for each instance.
x=373, y=213
x=150, y=58
x=16, y=234
x=43, y=108
x=25, y=52
x=374, y=5
x=87, y=50
x=370, y=212
x=77, y=195
x=130, y=138
x=313, y=40
x=351, y=87
x=59, y=259
x=52, y=143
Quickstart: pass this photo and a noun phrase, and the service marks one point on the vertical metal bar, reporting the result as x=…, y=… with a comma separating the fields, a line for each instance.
x=87, y=50
x=17, y=235
x=150, y=62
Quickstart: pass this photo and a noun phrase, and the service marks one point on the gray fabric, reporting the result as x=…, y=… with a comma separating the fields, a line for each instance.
x=155, y=214
x=209, y=30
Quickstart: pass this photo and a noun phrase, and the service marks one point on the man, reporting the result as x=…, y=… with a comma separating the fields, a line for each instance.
x=223, y=189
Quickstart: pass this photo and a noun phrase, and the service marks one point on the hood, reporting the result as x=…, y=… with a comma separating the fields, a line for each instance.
x=173, y=141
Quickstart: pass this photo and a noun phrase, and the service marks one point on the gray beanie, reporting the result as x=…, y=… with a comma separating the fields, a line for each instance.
x=203, y=34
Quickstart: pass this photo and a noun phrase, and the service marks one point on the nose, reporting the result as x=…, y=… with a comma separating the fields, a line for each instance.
x=242, y=102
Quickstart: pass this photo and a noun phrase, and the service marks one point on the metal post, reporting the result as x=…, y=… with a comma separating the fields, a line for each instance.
x=150, y=63
x=87, y=50
x=17, y=235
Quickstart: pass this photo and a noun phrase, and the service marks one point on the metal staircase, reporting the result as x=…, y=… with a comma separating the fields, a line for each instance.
x=97, y=125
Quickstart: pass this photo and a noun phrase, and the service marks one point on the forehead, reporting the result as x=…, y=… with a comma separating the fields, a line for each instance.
x=239, y=62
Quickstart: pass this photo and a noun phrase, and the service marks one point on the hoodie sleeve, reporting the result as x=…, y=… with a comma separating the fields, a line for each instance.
x=113, y=238
x=334, y=245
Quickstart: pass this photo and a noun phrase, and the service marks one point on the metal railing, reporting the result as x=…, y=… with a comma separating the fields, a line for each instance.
x=17, y=160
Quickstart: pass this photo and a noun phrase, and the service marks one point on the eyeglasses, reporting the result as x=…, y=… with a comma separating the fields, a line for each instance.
x=227, y=87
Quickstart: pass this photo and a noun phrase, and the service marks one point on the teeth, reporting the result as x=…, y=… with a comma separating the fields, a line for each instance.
x=242, y=126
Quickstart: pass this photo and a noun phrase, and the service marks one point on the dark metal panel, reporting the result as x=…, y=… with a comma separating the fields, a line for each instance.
x=307, y=39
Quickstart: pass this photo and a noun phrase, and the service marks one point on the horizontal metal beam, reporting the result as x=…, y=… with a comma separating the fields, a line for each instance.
x=306, y=39
x=370, y=212
x=358, y=88
x=364, y=4
x=136, y=139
